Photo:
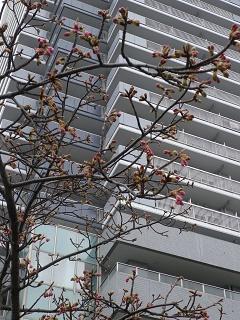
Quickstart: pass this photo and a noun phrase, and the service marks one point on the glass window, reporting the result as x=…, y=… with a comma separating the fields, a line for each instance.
x=44, y=258
x=49, y=232
x=33, y=295
x=65, y=241
x=63, y=272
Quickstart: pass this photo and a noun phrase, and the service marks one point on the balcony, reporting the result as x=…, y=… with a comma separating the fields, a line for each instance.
x=210, y=8
x=141, y=48
x=150, y=282
x=217, y=221
x=205, y=123
x=88, y=142
x=198, y=253
x=190, y=5
x=221, y=101
x=151, y=29
x=126, y=128
x=184, y=21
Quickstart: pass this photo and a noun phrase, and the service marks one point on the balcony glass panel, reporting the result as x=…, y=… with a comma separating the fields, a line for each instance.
x=169, y=279
x=187, y=37
x=126, y=268
x=165, y=278
x=192, y=285
x=187, y=17
x=148, y=274
x=214, y=290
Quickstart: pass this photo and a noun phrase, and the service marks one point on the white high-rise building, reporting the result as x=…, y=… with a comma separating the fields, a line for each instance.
x=208, y=256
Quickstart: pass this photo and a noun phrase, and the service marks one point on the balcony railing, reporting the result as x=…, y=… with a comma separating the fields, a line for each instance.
x=169, y=279
x=210, y=8
x=201, y=176
x=212, y=92
x=183, y=138
x=187, y=37
x=198, y=113
x=188, y=17
x=235, y=76
x=195, y=212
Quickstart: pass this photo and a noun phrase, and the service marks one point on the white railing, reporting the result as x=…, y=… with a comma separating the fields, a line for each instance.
x=188, y=17
x=210, y=8
x=209, y=146
x=201, y=176
x=157, y=47
x=169, y=279
x=187, y=139
x=198, y=113
x=209, y=216
x=187, y=37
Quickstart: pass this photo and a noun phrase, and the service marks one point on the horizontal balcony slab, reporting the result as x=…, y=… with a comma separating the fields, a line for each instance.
x=207, y=221
x=188, y=248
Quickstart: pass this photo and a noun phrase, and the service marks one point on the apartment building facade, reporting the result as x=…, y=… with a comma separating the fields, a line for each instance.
x=209, y=256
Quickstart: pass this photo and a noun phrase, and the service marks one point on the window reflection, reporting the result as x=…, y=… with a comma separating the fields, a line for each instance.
x=62, y=241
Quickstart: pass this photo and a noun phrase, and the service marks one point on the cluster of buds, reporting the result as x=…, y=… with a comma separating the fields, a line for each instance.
x=222, y=64
x=146, y=149
x=24, y=263
x=140, y=178
x=86, y=279
x=44, y=48
x=211, y=50
x=167, y=92
x=184, y=113
x=39, y=237
x=20, y=216
x=132, y=299
x=92, y=40
x=131, y=277
x=48, y=293
x=5, y=231
x=81, y=54
x=37, y=5
x=235, y=32
x=184, y=158
x=67, y=307
x=131, y=93
x=76, y=29
x=178, y=194
x=112, y=117
x=187, y=51
x=122, y=18
x=164, y=54
x=64, y=128
x=104, y=14
x=98, y=159
x=166, y=177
